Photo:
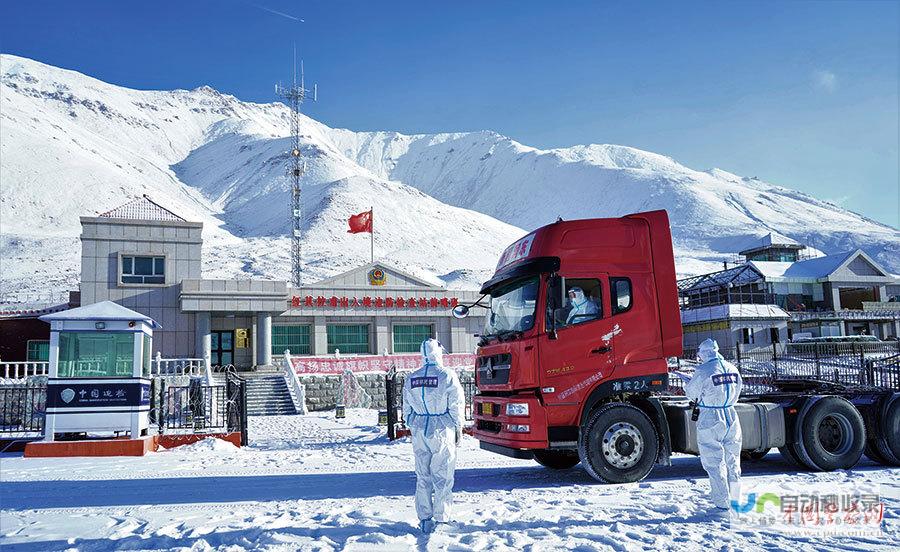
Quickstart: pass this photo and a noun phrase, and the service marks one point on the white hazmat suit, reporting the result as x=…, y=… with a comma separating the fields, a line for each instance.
x=583, y=309
x=715, y=387
x=433, y=404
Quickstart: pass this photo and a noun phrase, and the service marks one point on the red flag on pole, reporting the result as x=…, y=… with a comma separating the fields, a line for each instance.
x=360, y=223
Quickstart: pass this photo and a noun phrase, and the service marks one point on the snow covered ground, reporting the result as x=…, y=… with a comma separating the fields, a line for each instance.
x=316, y=483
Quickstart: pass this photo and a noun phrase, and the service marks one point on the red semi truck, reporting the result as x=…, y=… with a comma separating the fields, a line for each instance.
x=588, y=385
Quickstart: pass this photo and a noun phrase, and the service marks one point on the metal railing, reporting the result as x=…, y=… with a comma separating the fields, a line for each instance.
x=296, y=388
x=22, y=409
x=843, y=363
x=178, y=366
x=22, y=370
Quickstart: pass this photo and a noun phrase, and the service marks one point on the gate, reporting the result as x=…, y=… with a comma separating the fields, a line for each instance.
x=199, y=408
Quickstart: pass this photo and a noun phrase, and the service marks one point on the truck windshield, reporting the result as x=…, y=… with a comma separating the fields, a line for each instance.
x=512, y=307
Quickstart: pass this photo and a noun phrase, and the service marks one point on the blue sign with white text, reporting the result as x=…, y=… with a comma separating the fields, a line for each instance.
x=73, y=394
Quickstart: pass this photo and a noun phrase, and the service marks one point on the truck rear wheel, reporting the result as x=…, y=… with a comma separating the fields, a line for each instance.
x=873, y=452
x=618, y=444
x=832, y=435
x=557, y=459
x=888, y=444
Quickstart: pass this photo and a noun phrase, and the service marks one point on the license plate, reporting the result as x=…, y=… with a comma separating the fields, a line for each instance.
x=487, y=409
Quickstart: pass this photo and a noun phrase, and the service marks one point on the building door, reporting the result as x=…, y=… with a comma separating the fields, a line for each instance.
x=222, y=348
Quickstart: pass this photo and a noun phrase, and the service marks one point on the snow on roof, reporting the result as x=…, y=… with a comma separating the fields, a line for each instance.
x=819, y=267
x=733, y=311
x=772, y=240
x=771, y=269
x=104, y=310
x=142, y=208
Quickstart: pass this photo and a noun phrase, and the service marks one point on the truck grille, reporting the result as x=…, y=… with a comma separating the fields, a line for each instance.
x=485, y=425
x=493, y=369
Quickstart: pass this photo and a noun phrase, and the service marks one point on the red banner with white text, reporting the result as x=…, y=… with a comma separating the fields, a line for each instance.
x=357, y=364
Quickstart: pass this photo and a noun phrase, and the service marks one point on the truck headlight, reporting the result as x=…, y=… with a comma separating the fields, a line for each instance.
x=518, y=428
x=517, y=409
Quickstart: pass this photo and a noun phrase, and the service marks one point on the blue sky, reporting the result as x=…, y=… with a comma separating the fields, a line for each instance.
x=803, y=94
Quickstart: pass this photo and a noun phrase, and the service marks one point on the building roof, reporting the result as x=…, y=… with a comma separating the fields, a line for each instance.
x=104, y=310
x=737, y=276
x=772, y=240
x=142, y=208
x=733, y=311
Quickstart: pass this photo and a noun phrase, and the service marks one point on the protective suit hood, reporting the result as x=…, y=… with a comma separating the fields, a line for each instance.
x=708, y=350
x=432, y=352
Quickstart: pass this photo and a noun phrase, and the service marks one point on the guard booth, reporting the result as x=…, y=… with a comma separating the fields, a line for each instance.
x=99, y=372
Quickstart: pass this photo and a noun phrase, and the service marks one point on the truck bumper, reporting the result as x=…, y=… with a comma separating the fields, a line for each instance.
x=507, y=451
x=494, y=426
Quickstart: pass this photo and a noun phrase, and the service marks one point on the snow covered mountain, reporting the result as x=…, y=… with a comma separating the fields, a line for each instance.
x=71, y=145
x=713, y=213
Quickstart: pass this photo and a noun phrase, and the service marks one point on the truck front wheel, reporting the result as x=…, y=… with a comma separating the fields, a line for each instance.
x=618, y=444
x=557, y=459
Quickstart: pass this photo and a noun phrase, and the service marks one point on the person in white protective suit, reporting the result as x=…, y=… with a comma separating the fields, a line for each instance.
x=715, y=388
x=433, y=405
x=583, y=309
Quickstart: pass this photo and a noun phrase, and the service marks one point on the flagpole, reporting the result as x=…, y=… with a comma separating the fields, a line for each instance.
x=372, y=221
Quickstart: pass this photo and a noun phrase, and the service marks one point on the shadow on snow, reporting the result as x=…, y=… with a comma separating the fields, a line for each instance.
x=27, y=495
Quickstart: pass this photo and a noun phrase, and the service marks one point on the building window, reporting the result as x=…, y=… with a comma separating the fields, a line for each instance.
x=38, y=350
x=408, y=338
x=621, y=294
x=222, y=348
x=148, y=357
x=747, y=336
x=96, y=355
x=352, y=339
x=293, y=338
x=773, y=335
x=143, y=270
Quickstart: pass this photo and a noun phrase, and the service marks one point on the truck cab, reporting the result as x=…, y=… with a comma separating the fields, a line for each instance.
x=580, y=311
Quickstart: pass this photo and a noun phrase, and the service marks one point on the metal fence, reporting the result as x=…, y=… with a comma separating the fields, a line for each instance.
x=22, y=409
x=843, y=363
x=200, y=408
x=393, y=385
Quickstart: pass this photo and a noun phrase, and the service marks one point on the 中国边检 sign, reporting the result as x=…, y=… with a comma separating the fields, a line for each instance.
x=321, y=365
x=69, y=393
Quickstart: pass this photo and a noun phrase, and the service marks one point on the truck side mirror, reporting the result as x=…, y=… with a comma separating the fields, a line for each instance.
x=461, y=311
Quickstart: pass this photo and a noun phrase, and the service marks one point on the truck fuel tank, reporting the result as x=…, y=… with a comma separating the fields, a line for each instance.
x=762, y=426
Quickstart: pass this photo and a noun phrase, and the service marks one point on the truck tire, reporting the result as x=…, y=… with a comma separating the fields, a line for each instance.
x=618, y=444
x=787, y=452
x=754, y=455
x=557, y=459
x=832, y=435
x=874, y=454
x=888, y=444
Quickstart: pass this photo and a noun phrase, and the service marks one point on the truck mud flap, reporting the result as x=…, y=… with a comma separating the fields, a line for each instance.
x=507, y=451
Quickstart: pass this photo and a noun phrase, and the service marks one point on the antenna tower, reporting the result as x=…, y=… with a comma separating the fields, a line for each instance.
x=296, y=94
